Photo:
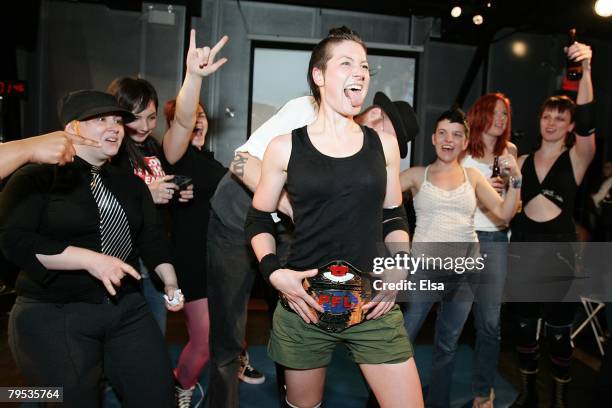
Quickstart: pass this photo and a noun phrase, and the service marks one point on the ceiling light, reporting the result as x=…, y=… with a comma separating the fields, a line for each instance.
x=456, y=11
x=478, y=19
x=603, y=8
x=519, y=48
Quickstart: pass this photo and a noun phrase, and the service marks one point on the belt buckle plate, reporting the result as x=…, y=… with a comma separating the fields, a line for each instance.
x=342, y=290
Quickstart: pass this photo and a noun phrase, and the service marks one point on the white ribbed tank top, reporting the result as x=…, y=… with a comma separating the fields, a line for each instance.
x=445, y=216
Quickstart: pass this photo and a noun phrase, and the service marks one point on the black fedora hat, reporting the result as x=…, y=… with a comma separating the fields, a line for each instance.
x=402, y=118
x=87, y=104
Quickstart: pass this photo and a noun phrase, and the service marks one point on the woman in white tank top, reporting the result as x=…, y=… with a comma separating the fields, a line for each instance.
x=445, y=198
x=490, y=124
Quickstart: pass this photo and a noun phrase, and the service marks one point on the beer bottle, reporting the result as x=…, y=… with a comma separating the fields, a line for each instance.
x=496, y=170
x=573, y=68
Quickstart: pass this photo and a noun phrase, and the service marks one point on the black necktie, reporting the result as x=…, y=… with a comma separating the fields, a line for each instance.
x=114, y=227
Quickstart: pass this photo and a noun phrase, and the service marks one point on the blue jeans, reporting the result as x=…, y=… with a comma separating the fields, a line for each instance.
x=486, y=309
x=452, y=315
x=155, y=298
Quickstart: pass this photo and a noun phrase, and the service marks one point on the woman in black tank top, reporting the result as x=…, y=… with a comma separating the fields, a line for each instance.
x=339, y=177
x=542, y=274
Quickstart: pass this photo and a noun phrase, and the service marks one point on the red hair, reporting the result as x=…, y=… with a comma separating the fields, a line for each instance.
x=480, y=118
x=170, y=110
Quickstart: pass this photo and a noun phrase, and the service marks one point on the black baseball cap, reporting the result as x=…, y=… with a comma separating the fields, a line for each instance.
x=402, y=118
x=87, y=104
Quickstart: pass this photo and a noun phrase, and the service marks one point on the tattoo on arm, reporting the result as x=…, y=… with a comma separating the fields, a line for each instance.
x=238, y=164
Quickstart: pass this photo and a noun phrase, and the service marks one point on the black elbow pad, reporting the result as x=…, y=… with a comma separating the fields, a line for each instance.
x=258, y=222
x=394, y=219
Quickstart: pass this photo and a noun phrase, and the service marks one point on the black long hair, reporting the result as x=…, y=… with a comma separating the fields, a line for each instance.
x=135, y=94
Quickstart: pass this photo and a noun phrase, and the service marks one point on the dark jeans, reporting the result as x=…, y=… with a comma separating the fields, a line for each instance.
x=232, y=269
x=74, y=345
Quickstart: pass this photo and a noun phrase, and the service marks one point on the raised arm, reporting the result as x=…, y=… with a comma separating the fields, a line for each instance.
x=583, y=53
x=583, y=151
x=200, y=63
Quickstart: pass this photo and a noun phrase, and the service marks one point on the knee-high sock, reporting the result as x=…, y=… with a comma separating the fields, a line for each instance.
x=527, y=344
x=559, y=343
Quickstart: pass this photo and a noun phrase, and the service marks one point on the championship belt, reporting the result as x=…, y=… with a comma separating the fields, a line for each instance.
x=342, y=290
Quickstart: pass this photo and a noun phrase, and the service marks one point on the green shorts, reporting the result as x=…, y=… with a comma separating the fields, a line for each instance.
x=299, y=345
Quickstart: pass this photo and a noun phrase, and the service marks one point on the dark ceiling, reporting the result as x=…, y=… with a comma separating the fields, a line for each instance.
x=544, y=16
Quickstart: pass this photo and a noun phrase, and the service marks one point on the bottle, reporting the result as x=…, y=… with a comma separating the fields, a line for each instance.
x=573, y=69
x=496, y=170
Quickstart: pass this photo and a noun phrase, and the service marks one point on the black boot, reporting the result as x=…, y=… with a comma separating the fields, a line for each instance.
x=528, y=397
x=559, y=394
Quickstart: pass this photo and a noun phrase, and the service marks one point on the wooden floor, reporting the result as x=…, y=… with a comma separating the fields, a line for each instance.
x=585, y=368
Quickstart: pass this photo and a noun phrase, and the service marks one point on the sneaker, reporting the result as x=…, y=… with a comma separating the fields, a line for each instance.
x=184, y=396
x=247, y=372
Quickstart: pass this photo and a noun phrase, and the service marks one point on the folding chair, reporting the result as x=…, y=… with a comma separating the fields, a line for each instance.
x=591, y=308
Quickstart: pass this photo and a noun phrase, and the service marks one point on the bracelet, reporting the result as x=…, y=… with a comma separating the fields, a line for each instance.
x=269, y=264
x=516, y=182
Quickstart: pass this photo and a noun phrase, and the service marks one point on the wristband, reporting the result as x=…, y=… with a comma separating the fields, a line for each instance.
x=269, y=264
x=516, y=182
